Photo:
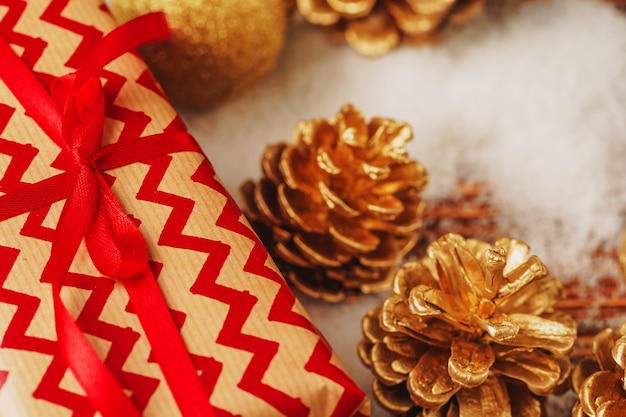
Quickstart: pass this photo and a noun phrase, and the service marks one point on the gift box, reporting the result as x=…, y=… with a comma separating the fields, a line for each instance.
x=130, y=282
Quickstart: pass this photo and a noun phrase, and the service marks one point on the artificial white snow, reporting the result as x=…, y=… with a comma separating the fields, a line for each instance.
x=533, y=105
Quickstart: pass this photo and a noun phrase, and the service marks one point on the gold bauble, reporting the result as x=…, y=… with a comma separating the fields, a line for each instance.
x=218, y=48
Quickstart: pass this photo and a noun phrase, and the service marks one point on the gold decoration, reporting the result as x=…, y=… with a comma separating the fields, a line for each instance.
x=600, y=383
x=218, y=49
x=374, y=27
x=341, y=203
x=469, y=331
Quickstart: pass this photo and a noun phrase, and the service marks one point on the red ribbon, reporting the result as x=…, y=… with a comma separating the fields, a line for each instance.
x=72, y=115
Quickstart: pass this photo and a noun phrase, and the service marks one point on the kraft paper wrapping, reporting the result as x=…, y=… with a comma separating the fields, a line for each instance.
x=252, y=343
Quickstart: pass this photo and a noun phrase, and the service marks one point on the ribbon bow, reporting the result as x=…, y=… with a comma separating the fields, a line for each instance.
x=114, y=242
x=72, y=115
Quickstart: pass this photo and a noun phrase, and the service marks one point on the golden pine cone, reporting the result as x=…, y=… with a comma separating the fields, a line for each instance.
x=469, y=331
x=374, y=27
x=600, y=383
x=340, y=205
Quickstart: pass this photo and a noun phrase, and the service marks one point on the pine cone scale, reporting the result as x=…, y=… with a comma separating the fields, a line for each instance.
x=409, y=172
x=430, y=7
x=403, y=365
x=354, y=237
x=374, y=35
x=269, y=163
x=413, y=23
x=488, y=399
x=394, y=399
x=531, y=298
x=535, y=332
x=619, y=352
x=469, y=362
x=290, y=256
x=411, y=219
x=318, y=12
x=320, y=250
x=466, y=11
x=387, y=207
x=351, y=127
x=296, y=208
x=335, y=202
x=524, y=404
x=429, y=383
x=541, y=372
x=603, y=345
x=266, y=201
x=296, y=170
x=247, y=194
x=325, y=161
x=600, y=389
x=383, y=368
x=352, y=8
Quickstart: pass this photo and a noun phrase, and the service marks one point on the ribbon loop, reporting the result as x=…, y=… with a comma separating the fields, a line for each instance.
x=82, y=108
x=114, y=242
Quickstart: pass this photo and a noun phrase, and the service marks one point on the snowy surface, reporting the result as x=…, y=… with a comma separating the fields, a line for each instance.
x=532, y=104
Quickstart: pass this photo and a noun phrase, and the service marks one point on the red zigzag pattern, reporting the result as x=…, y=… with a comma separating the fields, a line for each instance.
x=27, y=305
x=22, y=156
x=33, y=48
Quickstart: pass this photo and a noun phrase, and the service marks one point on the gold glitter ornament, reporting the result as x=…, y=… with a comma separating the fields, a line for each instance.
x=469, y=331
x=218, y=49
x=340, y=205
x=600, y=383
